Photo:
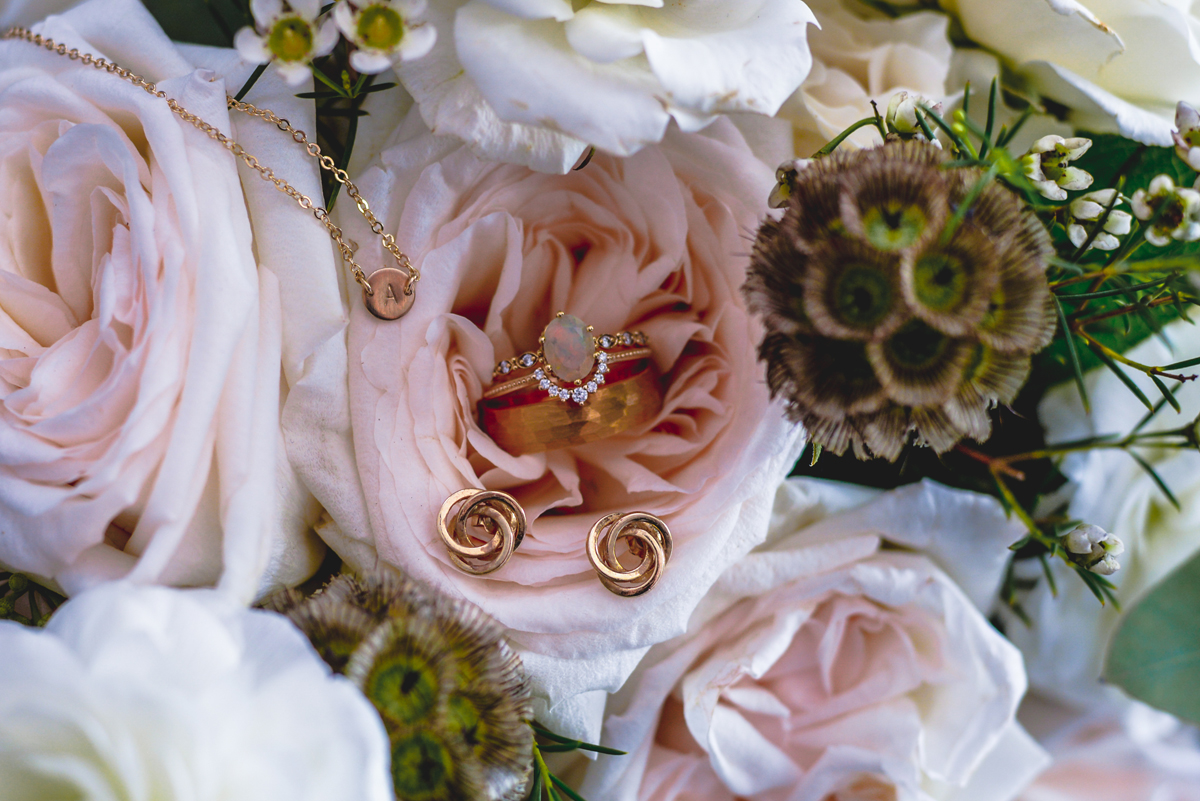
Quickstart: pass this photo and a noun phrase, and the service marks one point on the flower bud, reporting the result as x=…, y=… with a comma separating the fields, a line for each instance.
x=785, y=181
x=1046, y=166
x=1173, y=212
x=1083, y=537
x=1112, y=545
x=18, y=583
x=1106, y=566
x=901, y=117
x=1187, y=137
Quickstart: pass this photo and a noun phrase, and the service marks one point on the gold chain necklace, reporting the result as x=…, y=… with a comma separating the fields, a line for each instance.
x=388, y=292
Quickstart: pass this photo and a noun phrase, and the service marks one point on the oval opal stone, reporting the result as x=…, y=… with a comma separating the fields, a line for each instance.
x=568, y=347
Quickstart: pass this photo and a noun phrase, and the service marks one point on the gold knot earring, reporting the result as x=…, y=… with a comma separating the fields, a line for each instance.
x=647, y=538
x=495, y=513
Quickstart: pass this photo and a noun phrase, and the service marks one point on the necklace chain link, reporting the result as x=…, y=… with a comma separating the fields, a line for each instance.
x=301, y=138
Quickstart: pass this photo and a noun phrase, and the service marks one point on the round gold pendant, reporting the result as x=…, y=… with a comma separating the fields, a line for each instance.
x=389, y=300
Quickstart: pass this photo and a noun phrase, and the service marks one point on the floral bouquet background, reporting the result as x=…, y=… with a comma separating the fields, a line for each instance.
x=531, y=399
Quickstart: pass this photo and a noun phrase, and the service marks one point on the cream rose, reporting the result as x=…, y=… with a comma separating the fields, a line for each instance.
x=535, y=82
x=1118, y=65
x=142, y=345
x=169, y=694
x=1102, y=756
x=1064, y=649
x=860, y=55
x=654, y=242
x=840, y=671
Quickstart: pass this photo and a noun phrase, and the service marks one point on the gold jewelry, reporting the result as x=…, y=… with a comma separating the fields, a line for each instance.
x=525, y=420
x=497, y=513
x=536, y=378
x=570, y=363
x=389, y=292
x=648, y=540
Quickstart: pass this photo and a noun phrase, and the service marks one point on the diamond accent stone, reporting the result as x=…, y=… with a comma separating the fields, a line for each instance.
x=539, y=373
x=591, y=386
x=599, y=379
x=505, y=367
x=606, y=341
x=564, y=395
x=602, y=356
x=579, y=394
x=569, y=348
x=528, y=359
x=626, y=338
x=544, y=384
x=602, y=368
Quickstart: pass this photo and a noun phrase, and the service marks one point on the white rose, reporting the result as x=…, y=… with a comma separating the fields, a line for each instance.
x=1064, y=649
x=535, y=82
x=168, y=694
x=1117, y=64
x=140, y=366
x=821, y=667
x=861, y=55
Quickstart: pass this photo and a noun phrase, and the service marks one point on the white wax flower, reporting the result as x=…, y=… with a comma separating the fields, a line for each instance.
x=289, y=35
x=1046, y=165
x=146, y=692
x=1065, y=646
x=1187, y=134
x=1173, y=213
x=536, y=82
x=1090, y=207
x=1117, y=65
x=384, y=32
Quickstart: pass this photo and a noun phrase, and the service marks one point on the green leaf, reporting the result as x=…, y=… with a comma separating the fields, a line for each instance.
x=1157, y=479
x=1125, y=379
x=560, y=784
x=1166, y=393
x=1155, y=653
x=206, y=22
x=1073, y=352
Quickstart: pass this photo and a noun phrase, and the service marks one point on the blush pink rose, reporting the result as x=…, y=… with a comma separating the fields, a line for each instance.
x=848, y=674
x=1105, y=755
x=140, y=344
x=656, y=242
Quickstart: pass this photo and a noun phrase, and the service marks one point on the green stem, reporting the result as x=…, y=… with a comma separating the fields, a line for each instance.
x=837, y=140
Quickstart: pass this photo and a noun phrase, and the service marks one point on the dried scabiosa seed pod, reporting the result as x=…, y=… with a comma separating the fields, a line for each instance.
x=890, y=318
x=451, y=692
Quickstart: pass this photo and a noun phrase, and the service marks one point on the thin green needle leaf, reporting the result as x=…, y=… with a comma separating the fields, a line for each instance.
x=1124, y=290
x=1182, y=364
x=535, y=793
x=1089, y=578
x=253, y=79
x=1125, y=379
x=1076, y=367
x=563, y=786
x=1049, y=575
x=1166, y=393
x=1157, y=479
x=559, y=748
x=993, y=101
